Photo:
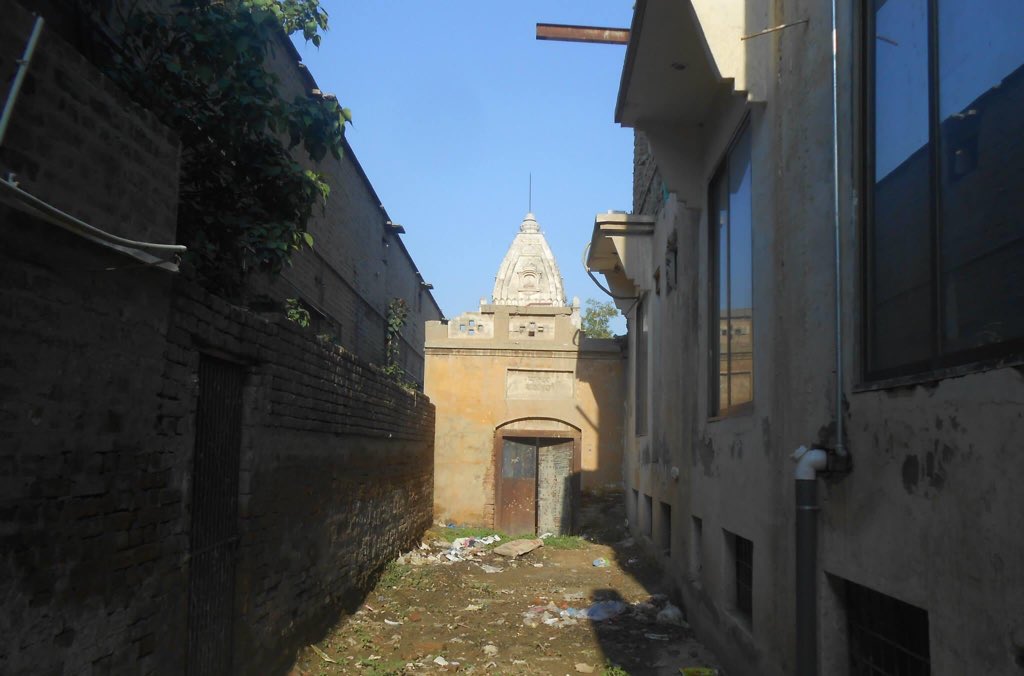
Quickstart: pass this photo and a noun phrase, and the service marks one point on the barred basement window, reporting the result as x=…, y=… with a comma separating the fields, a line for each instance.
x=887, y=637
x=648, y=515
x=741, y=556
x=665, y=530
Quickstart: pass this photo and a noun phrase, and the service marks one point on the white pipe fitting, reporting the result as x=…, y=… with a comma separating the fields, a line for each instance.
x=808, y=463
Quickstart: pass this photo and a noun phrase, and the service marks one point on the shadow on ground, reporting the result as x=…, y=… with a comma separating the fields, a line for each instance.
x=635, y=642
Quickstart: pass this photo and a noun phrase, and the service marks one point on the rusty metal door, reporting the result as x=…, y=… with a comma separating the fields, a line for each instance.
x=214, y=533
x=556, y=489
x=517, y=508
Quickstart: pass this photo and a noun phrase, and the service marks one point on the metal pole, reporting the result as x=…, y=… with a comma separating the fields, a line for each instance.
x=19, y=76
x=840, y=447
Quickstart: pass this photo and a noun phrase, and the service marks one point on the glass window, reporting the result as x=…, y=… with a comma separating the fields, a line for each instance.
x=732, y=297
x=945, y=89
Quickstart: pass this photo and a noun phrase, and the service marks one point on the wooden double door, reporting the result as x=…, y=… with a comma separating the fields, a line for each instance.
x=538, y=484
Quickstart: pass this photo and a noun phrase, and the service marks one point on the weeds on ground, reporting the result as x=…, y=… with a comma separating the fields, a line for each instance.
x=393, y=574
x=382, y=667
x=611, y=669
x=565, y=542
x=457, y=532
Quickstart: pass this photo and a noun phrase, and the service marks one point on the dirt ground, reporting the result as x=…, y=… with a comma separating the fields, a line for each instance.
x=429, y=615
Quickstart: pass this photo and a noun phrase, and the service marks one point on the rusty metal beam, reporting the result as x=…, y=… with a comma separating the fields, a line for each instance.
x=597, y=34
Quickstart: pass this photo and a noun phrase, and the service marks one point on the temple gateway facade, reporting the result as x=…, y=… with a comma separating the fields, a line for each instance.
x=529, y=410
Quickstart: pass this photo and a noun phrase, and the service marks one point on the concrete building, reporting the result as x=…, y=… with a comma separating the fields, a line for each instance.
x=866, y=302
x=529, y=410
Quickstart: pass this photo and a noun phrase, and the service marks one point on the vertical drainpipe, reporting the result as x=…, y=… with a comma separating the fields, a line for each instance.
x=808, y=464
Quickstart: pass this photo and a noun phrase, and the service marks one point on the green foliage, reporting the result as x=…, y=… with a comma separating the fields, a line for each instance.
x=597, y=316
x=612, y=669
x=457, y=532
x=565, y=542
x=398, y=312
x=294, y=311
x=203, y=68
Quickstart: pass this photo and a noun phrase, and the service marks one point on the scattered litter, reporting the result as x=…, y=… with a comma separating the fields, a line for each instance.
x=518, y=662
x=440, y=661
x=324, y=656
x=392, y=623
x=670, y=615
x=490, y=569
x=517, y=548
x=605, y=610
x=538, y=565
x=545, y=536
x=472, y=608
x=574, y=596
x=584, y=668
x=601, y=563
x=490, y=650
x=655, y=637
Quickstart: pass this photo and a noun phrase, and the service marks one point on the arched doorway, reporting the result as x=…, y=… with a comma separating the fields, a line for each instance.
x=537, y=466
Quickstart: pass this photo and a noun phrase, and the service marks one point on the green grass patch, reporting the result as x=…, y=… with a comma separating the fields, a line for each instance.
x=452, y=534
x=565, y=542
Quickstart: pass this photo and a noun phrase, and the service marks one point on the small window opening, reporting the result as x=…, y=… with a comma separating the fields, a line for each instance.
x=740, y=557
x=462, y=328
x=887, y=637
x=665, y=530
x=696, y=546
x=648, y=516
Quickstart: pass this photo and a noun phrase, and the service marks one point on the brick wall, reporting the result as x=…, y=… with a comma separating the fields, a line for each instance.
x=76, y=141
x=356, y=265
x=98, y=400
x=97, y=415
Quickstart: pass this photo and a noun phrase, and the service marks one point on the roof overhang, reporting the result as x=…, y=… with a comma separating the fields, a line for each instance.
x=680, y=55
x=619, y=238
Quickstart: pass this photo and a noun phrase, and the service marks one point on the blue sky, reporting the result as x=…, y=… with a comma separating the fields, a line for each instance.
x=456, y=103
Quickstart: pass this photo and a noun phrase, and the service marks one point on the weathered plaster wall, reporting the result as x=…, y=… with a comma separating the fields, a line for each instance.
x=466, y=380
x=931, y=510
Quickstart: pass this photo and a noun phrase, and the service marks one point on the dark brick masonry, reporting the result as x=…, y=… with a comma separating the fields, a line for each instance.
x=99, y=364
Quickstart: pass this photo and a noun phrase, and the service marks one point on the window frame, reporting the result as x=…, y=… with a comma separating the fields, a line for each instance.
x=939, y=365
x=715, y=410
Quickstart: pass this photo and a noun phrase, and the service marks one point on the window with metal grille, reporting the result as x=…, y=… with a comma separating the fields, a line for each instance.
x=744, y=557
x=887, y=637
x=648, y=518
x=665, y=530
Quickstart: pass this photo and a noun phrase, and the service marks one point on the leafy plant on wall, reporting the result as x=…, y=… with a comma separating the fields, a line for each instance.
x=398, y=313
x=202, y=67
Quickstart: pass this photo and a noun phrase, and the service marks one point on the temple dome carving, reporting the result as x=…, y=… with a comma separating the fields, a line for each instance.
x=529, y=274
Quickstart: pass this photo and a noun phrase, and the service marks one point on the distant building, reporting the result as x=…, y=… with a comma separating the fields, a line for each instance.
x=529, y=410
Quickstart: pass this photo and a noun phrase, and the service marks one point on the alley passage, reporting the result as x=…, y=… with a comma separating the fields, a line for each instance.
x=549, y=611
